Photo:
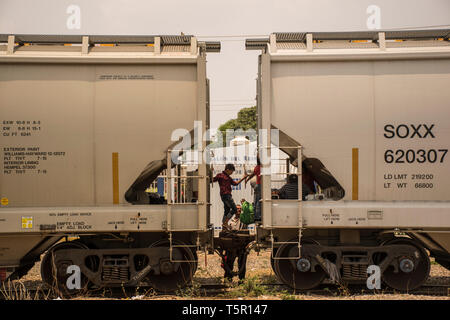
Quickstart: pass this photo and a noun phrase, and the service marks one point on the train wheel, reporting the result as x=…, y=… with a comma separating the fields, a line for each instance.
x=272, y=261
x=173, y=275
x=296, y=273
x=55, y=274
x=409, y=276
x=195, y=264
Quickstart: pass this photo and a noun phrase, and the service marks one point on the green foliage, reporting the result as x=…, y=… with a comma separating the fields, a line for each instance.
x=246, y=120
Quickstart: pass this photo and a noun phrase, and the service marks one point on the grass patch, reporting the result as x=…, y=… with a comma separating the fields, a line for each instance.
x=250, y=287
x=286, y=295
x=191, y=291
x=16, y=290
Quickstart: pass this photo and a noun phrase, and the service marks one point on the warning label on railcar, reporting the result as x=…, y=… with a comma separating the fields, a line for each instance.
x=73, y=225
x=27, y=222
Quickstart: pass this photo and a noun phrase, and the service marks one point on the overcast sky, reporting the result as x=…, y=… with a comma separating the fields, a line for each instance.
x=233, y=71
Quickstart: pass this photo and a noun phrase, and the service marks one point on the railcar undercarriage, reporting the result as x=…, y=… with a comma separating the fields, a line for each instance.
x=403, y=260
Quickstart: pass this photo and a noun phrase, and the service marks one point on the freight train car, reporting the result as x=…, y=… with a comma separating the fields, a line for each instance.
x=368, y=114
x=86, y=126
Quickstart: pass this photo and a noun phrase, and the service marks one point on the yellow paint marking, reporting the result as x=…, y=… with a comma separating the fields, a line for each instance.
x=4, y=201
x=115, y=176
x=355, y=173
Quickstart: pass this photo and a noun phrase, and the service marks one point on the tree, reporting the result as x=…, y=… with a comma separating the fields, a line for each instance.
x=246, y=120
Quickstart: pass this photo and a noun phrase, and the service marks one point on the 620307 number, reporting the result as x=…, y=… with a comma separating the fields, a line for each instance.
x=415, y=156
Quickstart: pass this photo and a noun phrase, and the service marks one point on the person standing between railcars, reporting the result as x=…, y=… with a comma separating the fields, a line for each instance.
x=225, y=182
x=238, y=251
x=257, y=189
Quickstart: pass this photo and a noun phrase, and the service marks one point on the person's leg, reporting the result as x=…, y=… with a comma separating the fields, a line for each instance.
x=258, y=210
x=229, y=261
x=257, y=204
x=229, y=202
x=242, y=263
x=226, y=208
x=225, y=266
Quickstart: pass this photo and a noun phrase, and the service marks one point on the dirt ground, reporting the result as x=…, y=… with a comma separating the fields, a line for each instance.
x=260, y=284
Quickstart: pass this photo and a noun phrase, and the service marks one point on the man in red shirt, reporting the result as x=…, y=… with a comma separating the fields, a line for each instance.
x=225, y=183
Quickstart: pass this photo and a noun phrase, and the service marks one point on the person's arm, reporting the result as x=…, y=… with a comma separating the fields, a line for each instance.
x=234, y=183
x=216, y=178
x=249, y=177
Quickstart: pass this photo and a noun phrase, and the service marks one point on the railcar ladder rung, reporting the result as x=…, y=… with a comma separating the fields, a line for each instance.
x=283, y=242
x=286, y=242
x=184, y=246
x=171, y=246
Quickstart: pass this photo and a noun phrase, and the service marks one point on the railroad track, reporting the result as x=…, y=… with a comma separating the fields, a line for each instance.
x=333, y=290
x=221, y=290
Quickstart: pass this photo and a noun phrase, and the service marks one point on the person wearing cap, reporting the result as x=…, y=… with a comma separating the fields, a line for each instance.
x=225, y=182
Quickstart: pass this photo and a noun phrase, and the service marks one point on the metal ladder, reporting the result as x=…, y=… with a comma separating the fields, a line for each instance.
x=169, y=211
x=299, y=201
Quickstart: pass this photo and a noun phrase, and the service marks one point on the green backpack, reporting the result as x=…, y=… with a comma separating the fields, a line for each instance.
x=247, y=216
